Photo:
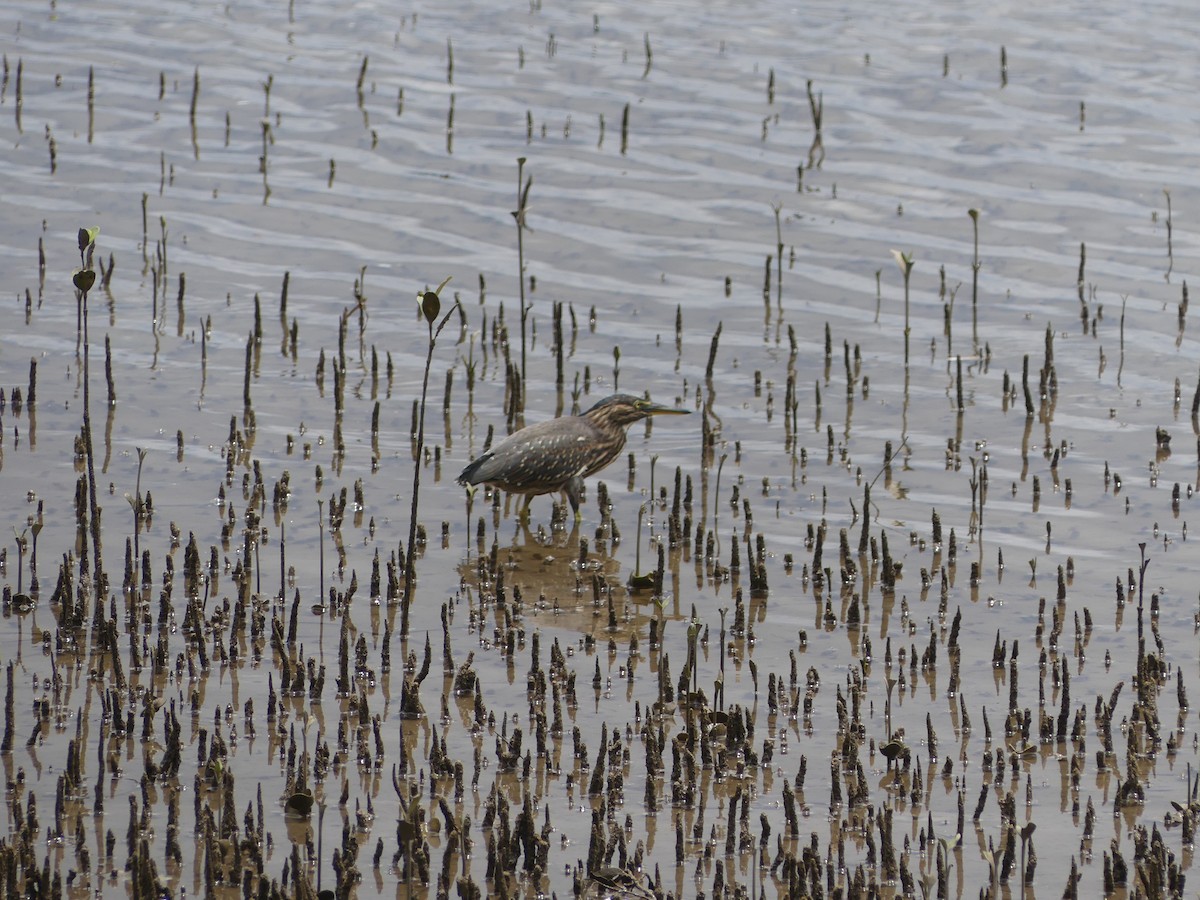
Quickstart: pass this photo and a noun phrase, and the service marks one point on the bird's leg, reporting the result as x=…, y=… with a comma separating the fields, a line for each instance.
x=574, y=491
x=525, y=532
x=564, y=498
x=523, y=513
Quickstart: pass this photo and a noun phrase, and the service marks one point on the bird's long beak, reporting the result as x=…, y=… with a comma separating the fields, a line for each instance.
x=656, y=409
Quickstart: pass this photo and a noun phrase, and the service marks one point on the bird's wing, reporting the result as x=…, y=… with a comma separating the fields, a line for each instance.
x=535, y=460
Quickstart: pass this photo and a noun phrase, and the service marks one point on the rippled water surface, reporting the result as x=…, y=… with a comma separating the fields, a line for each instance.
x=266, y=175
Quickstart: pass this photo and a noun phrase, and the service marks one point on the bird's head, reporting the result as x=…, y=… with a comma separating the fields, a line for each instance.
x=625, y=409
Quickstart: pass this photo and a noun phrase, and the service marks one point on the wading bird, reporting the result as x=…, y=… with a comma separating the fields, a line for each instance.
x=558, y=454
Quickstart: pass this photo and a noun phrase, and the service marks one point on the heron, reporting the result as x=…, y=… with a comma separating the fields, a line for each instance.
x=558, y=454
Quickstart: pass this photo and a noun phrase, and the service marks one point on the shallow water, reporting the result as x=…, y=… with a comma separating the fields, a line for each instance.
x=1082, y=140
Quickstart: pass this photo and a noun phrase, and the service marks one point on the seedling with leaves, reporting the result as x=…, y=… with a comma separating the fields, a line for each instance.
x=430, y=305
x=638, y=581
x=905, y=262
x=84, y=278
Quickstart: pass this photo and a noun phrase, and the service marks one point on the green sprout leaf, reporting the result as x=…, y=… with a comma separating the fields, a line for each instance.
x=431, y=305
x=299, y=804
x=904, y=261
x=87, y=237
x=641, y=582
x=84, y=279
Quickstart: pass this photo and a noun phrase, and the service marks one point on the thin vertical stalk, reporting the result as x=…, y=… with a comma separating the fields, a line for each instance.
x=83, y=279
x=974, y=214
x=905, y=262
x=519, y=215
x=430, y=306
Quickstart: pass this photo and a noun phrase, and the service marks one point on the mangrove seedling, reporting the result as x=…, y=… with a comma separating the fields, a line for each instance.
x=430, y=304
x=905, y=262
x=638, y=581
